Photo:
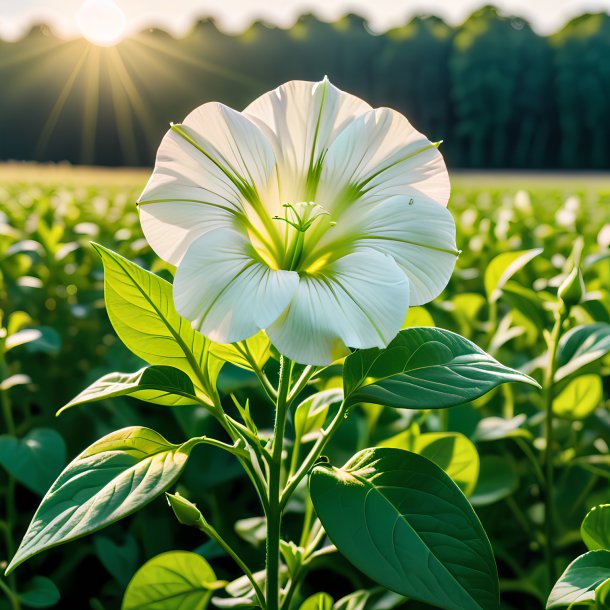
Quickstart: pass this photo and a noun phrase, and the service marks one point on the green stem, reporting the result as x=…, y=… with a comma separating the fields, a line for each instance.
x=12, y=598
x=207, y=529
x=314, y=454
x=302, y=381
x=245, y=460
x=274, y=516
x=548, y=395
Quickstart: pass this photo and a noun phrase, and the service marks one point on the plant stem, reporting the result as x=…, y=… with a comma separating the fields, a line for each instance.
x=274, y=516
x=314, y=454
x=548, y=395
x=13, y=599
x=206, y=528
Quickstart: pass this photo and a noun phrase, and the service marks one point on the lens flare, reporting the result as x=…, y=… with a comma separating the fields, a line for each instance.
x=101, y=22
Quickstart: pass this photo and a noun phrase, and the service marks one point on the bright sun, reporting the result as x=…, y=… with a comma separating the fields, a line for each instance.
x=101, y=22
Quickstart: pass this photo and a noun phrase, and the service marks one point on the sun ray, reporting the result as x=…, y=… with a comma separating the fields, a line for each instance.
x=141, y=109
x=91, y=107
x=59, y=105
x=123, y=117
x=199, y=63
x=31, y=54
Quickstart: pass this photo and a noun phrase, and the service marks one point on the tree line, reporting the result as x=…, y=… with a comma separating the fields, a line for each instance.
x=498, y=94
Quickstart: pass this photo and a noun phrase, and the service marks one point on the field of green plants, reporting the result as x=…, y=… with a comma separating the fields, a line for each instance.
x=519, y=237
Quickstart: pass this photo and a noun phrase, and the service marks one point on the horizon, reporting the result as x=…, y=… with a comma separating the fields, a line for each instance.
x=17, y=21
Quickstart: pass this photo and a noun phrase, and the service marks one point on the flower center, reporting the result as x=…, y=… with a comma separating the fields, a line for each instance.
x=299, y=218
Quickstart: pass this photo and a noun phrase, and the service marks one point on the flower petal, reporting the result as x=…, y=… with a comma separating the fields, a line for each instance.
x=360, y=301
x=173, y=223
x=226, y=294
x=301, y=119
x=419, y=236
x=381, y=154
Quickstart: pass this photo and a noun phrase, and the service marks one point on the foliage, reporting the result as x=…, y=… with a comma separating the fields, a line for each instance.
x=58, y=348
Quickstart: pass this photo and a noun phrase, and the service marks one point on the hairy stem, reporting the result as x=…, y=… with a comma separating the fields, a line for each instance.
x=274, y=516
x=548, y=395
x=314, y=454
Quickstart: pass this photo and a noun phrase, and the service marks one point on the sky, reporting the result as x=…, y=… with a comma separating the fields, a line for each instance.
x=16, y=16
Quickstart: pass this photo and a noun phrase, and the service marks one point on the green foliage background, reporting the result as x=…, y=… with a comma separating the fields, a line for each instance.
x=49, y=271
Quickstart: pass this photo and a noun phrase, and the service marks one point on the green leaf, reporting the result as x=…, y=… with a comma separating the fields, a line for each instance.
x=111, y=479
x=595, y=528
x=40, y=592
x=403, y=522
x=43, y=339
x=451, y=451
x=34, y=460
x=141, y=308
x=424, y=368
x=581, y=346
x=255, y=350
x=310, y=415
x=602, y=595
x=163, y=385
x=503, y=267
x=418, y=316
x=579, y=398
x=121, y=560
x=176, y=580
x=497, y=480
x=580, y=579
x=318, y=601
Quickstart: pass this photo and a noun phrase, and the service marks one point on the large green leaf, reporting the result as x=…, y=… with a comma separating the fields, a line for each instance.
x=111, y=479
x=163, y=385
x=580, y=580
x=452, y=451
x=402, y=521
x=424, y=368
x=34, y=460
x=503, y=267
x=581, y=346
x=595, y=528
x=141, y=308
x=176, y=580
x=579, y=398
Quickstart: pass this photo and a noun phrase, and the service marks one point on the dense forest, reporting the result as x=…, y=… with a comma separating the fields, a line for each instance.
x=498, y=94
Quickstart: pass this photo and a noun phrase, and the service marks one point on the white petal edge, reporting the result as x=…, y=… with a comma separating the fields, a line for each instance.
x=419, y=234
x=301, y=119
x=214, y=149
x=225, y=293
x=383, y=151
x=362, y=302
x=178, y=219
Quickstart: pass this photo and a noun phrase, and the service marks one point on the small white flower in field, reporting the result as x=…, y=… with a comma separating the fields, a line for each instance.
x=309, y=214
x=603, y=237
x=523, y=202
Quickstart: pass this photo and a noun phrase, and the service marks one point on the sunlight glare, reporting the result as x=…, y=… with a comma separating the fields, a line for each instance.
x=101, y=22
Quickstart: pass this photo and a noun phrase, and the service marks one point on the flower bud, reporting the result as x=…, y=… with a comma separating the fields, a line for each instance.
x=186, y=512
x=572, y=288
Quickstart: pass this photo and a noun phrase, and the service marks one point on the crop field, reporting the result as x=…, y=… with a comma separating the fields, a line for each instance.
x=518, y=236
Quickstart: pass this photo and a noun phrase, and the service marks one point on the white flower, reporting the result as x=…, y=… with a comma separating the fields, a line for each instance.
x=309, y=214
